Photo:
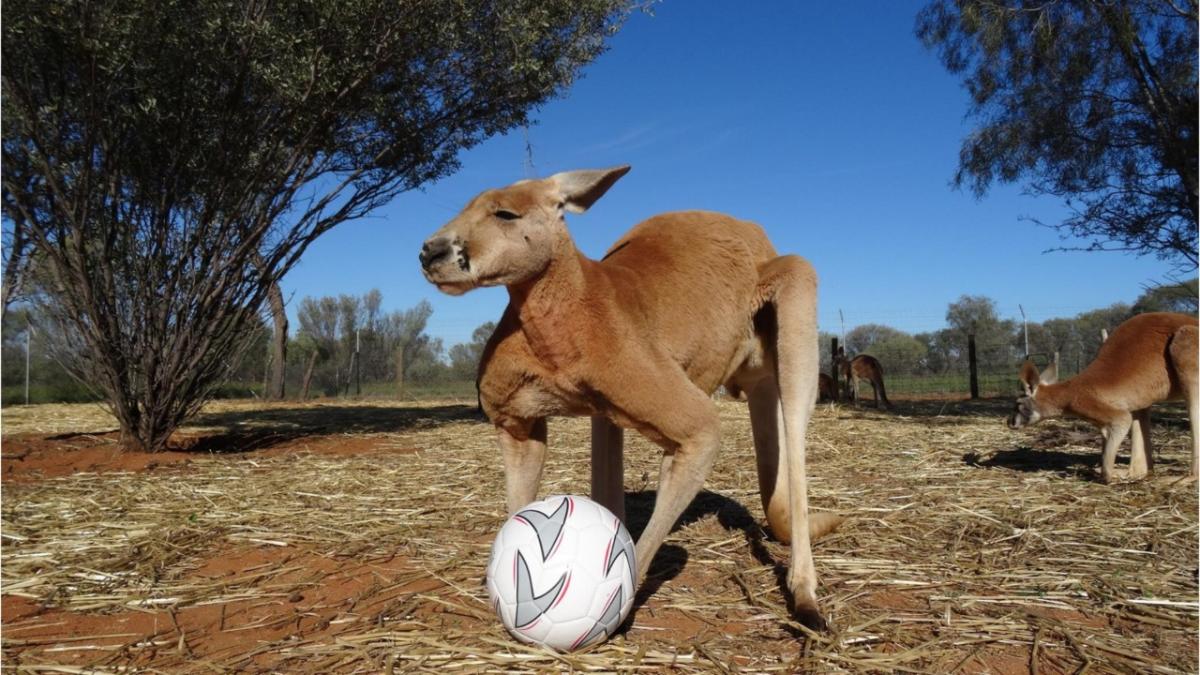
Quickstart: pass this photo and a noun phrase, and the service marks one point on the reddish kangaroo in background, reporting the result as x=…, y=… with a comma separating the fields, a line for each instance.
x=862, y=367
x=683, y=303
x=826, y=388
x=1149, y=358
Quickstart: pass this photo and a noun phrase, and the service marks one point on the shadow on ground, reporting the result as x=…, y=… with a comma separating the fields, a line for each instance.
x=997, y=408
x=258, y=429
x=235, y=431
x=1032, y=459
x=671, y=558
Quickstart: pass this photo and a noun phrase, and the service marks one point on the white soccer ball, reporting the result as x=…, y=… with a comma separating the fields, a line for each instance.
x=562, y=573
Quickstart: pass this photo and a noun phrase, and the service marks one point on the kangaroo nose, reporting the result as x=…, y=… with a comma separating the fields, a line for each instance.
x=433, y=251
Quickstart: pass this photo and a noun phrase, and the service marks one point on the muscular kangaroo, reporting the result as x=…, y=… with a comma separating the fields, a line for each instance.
x=683, y=303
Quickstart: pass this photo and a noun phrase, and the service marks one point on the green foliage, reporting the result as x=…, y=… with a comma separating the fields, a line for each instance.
x=464, y=358
x=1093, y=102
x=1181, y=297
x=996, y=344
x=905, y=353
x=862, y=337
x=169, y=161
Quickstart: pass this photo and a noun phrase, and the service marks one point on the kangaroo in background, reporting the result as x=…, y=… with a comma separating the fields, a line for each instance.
x=1149, y=358
x=826, y=388
x=862, y=367
x=681, y=304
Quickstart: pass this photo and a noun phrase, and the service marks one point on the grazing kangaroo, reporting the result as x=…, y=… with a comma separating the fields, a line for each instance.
x=681, y=304
x=863, y=367
x=1149, y=358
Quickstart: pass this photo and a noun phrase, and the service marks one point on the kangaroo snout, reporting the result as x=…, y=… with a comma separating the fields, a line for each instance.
x=433, y=252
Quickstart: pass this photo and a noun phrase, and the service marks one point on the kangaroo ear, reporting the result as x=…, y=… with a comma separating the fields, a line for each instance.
x=1049, y=375
x=580, y=189
x=1029, y=378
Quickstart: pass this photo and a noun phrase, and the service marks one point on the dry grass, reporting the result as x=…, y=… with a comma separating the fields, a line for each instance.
x=966, y=552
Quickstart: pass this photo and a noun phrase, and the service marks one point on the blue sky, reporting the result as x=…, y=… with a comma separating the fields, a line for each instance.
x=827, y=123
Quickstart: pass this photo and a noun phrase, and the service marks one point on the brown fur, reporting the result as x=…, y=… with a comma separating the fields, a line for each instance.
x=863, y=367
x=683, y=303
x=826, y=388
x=1149, y=358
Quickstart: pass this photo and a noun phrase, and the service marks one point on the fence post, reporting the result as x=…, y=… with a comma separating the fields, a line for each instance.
x=357, y=365
x=837, y=385
x=973, y=364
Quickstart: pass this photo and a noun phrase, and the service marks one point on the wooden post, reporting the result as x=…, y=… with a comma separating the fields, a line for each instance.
x=278, y=361
x=608, y=465
x=357, y=365
x=833, y=363
x=973, y=364
x=312, y=363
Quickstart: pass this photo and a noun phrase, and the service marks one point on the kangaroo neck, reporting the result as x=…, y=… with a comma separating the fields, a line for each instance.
x=1055, y=399
x=550, y=308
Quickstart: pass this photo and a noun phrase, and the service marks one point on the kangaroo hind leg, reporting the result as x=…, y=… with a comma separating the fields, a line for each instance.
x=766, y=421
x=1183, y=352
x=789, y=283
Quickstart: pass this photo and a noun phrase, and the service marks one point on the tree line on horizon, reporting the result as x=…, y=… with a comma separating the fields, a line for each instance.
x=166, y=164
x=396, y=357
x=1000, y=341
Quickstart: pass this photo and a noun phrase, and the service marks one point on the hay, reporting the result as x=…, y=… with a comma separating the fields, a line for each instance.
x=963, y=554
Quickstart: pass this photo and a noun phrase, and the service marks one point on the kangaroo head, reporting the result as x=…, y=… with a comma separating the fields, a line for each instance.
x=840, y=363
x=510, y=235
x=1028, y=409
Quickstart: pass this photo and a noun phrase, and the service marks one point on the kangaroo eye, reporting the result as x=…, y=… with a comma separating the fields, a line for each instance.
x=506, y=215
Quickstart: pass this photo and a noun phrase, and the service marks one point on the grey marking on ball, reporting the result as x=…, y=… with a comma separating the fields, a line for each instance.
x=548, y=528
x=609, y=618
x=529, y=606
x=622, y=544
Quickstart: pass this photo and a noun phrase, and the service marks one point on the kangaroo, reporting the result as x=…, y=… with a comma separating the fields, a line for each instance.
x=826, y=388
x=862, y=367
x=681, y=304
x=1149, y=358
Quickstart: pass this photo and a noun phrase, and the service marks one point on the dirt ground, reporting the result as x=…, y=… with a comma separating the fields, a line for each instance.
x=353, y=537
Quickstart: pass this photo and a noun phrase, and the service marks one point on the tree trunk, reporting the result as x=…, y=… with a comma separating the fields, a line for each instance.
x=279, y=344
x=15, y=266
x=400, y=372
x=308, y=373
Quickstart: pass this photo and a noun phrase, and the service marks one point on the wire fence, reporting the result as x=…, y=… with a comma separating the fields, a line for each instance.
x=31, y=375
x=948, y=372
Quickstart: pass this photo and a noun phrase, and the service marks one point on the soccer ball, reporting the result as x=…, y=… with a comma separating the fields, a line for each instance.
x=562, y=573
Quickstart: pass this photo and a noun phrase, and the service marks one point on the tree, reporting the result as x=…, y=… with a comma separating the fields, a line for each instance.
x=16, y=248
x=1091, y=101
x=409, y=343
x=995, y=338
x=900, y=353
x=825, y=350
x=945, y=350
x=464, y=357
x=170, y=161
x=1181, y=297
x=861, y=338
